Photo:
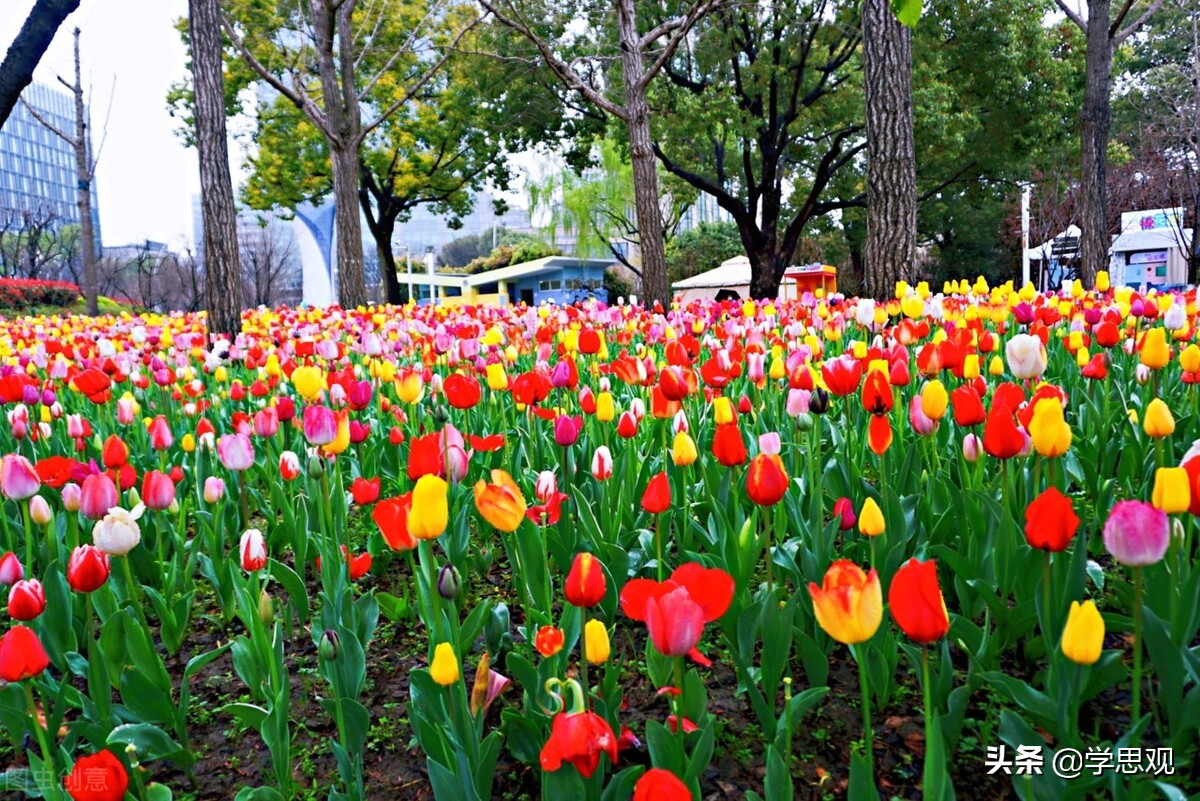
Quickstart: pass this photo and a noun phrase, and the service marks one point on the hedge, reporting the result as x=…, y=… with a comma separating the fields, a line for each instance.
x=20, y=293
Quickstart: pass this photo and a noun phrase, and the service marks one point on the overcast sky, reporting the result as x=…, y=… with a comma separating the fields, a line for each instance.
x=146, y=177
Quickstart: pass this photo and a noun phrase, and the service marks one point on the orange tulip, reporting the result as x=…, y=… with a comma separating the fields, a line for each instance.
x=500, y=502
x=849, y=602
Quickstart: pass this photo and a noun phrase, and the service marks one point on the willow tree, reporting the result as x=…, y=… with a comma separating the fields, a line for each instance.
x=348, y=67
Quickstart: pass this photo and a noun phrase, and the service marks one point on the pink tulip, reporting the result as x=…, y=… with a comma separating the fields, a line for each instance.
x=236, y=452
x=921, y=424
x=320, y=425
x=266, y=422
x=214, y=489
x=1136, y=533
x=565, y=431
x=18, y=479
x=11, y=570
x=161, y=436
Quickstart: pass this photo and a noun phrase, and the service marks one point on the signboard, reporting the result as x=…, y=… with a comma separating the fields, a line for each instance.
x=1152, y=220
x=1148, y=257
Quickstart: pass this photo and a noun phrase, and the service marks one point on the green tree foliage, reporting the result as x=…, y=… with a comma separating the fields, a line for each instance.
x=459, y=252
x=702, y=248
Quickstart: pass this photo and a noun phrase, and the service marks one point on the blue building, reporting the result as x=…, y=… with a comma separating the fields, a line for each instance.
x=554, y=279
x=37, y=168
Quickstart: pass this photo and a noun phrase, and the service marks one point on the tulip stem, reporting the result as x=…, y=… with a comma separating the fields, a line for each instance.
x=134, y=597
x=245, y=503
x=29, y=549
x=40, y=730
x=1137, y=645
x=583, y=661
x=1046, y=619
x=928, y=693
x=767, y=538
x=679, y=706
x=868, y=733
x=658, y=544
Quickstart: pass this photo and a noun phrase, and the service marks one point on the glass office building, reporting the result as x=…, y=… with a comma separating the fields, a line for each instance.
x=37, y=168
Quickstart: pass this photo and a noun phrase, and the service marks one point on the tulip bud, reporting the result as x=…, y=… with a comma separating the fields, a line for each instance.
x=441, y=414
x=330, y=645
x=449, y=582
x=819, y=402
x=71, y=497
x=39, y=511
x=266, y=608
x=804, y=421
x=316, y=466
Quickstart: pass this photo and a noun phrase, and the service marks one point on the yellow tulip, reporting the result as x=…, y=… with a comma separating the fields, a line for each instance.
x=1083, y=637
x=595, y=637
x=1102, y=282
x=1048, y=429
x=1172, y=490
x=444, y=668
x=683, y=449
x=342, y=441
x=308, y=381
x=188, y=443
x=1155, y=350
x=430, y=508
x=870, y=519
x=497, y=379
x=410, y=388
x=1158, y=421
x=934, y=400
x=971, y=365
x=996, y=366
x=606, y=410
x=1189, y=359
x=722, y=410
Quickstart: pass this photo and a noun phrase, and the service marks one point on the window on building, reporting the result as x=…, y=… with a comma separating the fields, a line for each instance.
x=550, y=286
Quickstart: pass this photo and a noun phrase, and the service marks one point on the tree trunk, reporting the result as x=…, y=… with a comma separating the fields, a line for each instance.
x=222, y=270
x=766, y=272
x=890, y=248
x=655, y=287
x=351, y=285
x=1093, y=146
x=27, y=49
x=83, y=172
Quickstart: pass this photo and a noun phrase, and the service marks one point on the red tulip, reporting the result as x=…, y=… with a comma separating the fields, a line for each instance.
x=915, y=599
x=579, y=738
x=492, y=442
x=766, y=480
x=462, y=391
x=627, y=425
x=364, y=490
x=55, y=471
x=425, y=457
x=843, y=509
x=1001, y=437
x=99, y=777
x=877, y=394
x=115, y=452
x=589, y=341
x=842, y=375
x=728, y=445
x=359, y=564
x=158, y=490
x=658, y=784
x=968, y=408
x=676, y=610
x=94, y=384
x=673, y=383
x=87, y=569
x=21, y=654
x=391, y=516
x=657, y=497
x=586, y=585
x=1050, y=521
x=879, y=434
x=289, y=466
x=26, y=600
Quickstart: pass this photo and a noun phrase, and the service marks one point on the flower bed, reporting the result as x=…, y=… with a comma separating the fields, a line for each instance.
x=23, y=293
x=939, y=545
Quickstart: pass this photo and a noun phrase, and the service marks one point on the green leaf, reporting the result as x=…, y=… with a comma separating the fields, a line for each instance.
x=151, y=742
x=392, y=607
x=907, y=11
x=778, y=784
x=862, y=783
x=258, y=794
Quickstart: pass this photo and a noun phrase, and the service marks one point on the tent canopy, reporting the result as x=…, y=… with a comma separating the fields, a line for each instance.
x=1045, y=251
x=733, y=272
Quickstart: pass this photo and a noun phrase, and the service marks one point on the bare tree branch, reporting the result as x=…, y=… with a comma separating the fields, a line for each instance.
x=1071, y=14
x=1137, y=23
